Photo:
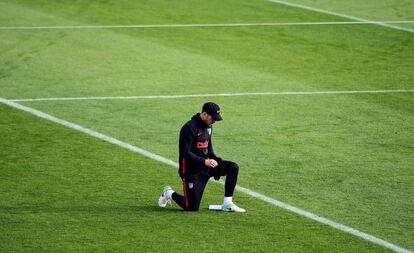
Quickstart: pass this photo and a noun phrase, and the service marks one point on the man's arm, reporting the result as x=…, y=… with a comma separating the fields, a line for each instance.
x=211, y=153
x=186, y=141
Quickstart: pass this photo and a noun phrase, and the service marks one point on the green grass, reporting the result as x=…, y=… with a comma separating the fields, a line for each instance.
x=65, y=191
x=345, y=157
x=63, y=63
x=305, y=149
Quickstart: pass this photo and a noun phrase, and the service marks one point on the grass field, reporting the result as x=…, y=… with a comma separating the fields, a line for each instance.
x=348, y=157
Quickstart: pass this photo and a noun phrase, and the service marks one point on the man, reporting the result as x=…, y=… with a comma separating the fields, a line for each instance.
x=198, y=163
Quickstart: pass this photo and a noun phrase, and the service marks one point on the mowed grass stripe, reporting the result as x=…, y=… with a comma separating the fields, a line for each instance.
x=215, y=95
x=158, y=158
x=70, y=27
x=152, y=13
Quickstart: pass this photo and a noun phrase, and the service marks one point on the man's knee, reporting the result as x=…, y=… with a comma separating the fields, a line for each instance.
x=193, y=204
x=230, y=168
x=192, y=207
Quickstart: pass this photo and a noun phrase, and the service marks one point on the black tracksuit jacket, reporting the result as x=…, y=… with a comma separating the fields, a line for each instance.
x=195, y=146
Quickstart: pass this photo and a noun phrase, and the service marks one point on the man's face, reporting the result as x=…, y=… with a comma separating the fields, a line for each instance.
x=207, y=119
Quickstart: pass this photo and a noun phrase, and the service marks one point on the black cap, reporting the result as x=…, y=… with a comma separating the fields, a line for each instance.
x=212, y=109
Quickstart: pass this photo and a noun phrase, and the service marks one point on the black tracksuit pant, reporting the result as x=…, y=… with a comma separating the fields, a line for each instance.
x=195, y=183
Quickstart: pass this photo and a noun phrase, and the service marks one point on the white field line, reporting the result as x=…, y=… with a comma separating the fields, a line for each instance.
x=60, y=27
x=216, y=95
x=301, y=6
x=167, y=161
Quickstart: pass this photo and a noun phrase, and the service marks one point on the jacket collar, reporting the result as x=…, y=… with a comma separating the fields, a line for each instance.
x=199, y=121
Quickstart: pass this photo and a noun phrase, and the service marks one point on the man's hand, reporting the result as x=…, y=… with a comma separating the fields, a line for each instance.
x=211, y=163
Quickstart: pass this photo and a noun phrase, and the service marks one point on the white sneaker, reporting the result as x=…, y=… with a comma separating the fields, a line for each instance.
x=163, y=200
x=231, y=207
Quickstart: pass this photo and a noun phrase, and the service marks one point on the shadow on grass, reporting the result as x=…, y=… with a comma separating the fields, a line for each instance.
x=87, y=209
